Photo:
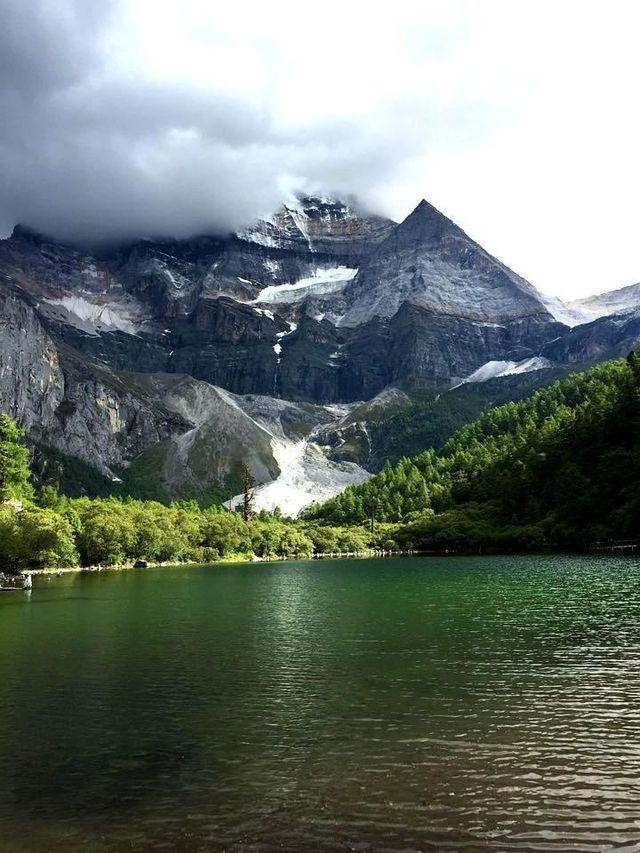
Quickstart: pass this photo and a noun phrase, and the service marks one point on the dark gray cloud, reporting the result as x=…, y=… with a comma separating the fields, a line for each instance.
x=90, y=150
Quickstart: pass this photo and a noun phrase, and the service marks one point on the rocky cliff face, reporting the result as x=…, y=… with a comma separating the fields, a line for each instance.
x=608, y=337
x=320, y=303
x=158, y=347
x=32, y=383
x=83, y=409
x=429, y=262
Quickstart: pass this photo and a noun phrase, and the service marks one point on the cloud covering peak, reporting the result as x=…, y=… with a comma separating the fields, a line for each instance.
x=122, y=121
x=132, y=118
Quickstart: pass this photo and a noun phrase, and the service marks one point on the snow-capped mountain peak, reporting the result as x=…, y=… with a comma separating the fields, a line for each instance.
x=318, y=224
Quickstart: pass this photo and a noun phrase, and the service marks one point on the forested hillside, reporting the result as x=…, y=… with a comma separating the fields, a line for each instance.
x=557, y=470
x=560, y=467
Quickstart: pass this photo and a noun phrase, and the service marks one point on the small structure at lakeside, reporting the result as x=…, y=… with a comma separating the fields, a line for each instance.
x=616, y=546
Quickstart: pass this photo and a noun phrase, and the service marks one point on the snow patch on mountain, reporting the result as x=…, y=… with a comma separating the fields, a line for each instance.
x=590, y=308
x=495, y=369
x=265, y=313
x=260, y=236
x=565, y=313
x=272, y=267
x=300, y=218
x=93, y=317
x=277, y=347
x=275, y=231
x=322, y=281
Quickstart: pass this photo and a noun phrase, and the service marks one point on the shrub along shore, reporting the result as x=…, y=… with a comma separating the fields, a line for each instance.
x=55, y=532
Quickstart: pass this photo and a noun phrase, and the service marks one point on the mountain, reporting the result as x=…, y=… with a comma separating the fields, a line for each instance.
x=165, y=364
x=603, y=326
x=431, y=263
x=608, y=337
x=614, y=302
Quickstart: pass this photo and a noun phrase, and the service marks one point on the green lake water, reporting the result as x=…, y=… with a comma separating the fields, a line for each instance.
x=382, y=705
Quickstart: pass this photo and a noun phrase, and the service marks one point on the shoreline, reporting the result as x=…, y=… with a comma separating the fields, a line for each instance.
x=244, y=559
x=119, y=567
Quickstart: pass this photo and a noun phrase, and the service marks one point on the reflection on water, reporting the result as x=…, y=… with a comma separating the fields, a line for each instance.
x=463, y=704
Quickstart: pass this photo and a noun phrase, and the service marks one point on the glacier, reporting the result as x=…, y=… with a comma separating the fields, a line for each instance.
x=323, y=280
x=94, y=317
x=495, y=369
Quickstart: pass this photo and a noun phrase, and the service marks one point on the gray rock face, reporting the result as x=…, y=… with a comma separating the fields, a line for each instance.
x=429, y=262
x=104, y=419
x=608, y=337
x=279, y=309
x=439, y=349
x=80, y=408
x=224, y=431
x=219, y=440
x=329, y=227
x=32, y=383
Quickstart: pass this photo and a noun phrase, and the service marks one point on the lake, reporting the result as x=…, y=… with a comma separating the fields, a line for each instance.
x=371, y=705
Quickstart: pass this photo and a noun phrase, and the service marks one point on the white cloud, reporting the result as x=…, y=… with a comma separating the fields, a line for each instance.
x=518, y=120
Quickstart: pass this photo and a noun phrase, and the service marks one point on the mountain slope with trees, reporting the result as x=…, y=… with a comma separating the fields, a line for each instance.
x=558, y=468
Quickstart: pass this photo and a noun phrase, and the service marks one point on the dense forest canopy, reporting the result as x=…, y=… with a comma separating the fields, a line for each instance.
x=557, y=470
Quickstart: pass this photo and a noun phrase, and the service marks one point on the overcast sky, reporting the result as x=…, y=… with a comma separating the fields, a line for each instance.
x=519, y=120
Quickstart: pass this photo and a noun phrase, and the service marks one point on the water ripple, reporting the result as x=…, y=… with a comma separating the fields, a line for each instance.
x=420, y=704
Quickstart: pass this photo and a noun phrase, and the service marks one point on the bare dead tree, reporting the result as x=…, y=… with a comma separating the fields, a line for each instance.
x=248, y=490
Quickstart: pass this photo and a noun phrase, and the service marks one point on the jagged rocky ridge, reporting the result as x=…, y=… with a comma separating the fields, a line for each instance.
x=196, y=355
